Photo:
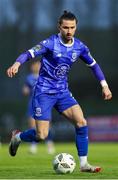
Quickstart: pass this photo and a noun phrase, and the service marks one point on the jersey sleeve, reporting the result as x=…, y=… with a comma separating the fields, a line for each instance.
x=90, y=62
x=39, y=49
x=31, y=53
x=87, y=57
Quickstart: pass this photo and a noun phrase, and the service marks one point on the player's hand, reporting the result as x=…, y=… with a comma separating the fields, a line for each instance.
x=12, y=70
x=106, y=93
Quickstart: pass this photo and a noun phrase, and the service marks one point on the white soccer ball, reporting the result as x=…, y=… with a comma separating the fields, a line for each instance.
x=64, y=163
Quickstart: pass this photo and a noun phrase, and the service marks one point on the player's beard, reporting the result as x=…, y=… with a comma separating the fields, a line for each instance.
x=68, y=38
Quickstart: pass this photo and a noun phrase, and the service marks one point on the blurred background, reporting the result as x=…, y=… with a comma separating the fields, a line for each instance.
x=23, y=24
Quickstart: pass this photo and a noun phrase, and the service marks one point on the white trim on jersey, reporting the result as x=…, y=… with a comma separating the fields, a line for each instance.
x=92, y=64
x=31, y=52
x=103, y=83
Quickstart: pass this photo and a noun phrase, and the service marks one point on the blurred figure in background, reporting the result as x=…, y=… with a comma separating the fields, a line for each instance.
x=28, y=90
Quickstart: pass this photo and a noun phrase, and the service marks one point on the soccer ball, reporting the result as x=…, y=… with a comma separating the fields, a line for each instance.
x=64, y=163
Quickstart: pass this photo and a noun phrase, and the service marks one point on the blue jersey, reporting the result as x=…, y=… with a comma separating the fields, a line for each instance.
x=31, y=81
x=57, y=59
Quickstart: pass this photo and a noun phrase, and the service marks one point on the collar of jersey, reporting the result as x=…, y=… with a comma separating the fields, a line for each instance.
x=67, y=45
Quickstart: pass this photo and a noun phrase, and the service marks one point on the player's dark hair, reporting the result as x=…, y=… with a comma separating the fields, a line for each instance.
x=67, y=15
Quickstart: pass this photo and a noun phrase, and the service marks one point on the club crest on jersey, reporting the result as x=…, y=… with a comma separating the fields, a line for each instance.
x=38, y=112
x=74, y=56
x=61, y=70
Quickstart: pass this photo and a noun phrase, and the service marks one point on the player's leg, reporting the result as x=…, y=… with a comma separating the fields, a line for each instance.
x=48, y=140
x=32, y=135
x=42, y=115
x=69, y=107
x=42, y=129
x=75, y=115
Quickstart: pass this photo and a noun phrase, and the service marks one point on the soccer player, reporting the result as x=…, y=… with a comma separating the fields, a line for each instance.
x=59, y=52
x=28, y=90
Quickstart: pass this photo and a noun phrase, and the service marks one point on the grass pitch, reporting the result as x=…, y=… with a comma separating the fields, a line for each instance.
x=27, y=166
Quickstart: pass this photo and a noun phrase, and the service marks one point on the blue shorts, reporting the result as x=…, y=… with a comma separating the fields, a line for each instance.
x=43, y=104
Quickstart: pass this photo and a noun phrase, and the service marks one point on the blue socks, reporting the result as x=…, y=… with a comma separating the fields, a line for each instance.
x=82, y=140
x=29, y=136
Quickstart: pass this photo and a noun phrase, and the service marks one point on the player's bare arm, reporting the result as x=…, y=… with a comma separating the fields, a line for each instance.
x=106, y=93
x=97, y=71
x=12, y=70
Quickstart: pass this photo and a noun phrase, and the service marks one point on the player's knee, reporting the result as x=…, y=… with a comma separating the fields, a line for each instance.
x=41, y=135
x=81, y=123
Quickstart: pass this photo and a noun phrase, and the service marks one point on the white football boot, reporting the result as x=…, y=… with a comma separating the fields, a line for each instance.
x=89, y=168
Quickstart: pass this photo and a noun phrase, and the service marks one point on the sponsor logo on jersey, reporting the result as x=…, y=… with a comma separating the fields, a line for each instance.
x=59, y=55
x=61, y=70
x=37, y=48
